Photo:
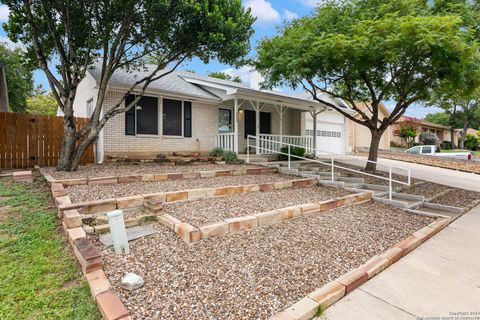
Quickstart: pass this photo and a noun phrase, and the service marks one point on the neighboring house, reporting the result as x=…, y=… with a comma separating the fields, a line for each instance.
x=187, y=112
x=442, y=132
x=471, y=131
x=360, y=136
x=3, y=90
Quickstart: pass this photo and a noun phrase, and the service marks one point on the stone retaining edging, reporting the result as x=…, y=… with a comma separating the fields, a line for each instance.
x=191, y=234
x=332, y=292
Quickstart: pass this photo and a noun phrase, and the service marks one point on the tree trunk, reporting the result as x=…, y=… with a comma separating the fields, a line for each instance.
x=69, y=143
x=373, y=152
x=464, y=134
x=82, y=147
x=452, y=137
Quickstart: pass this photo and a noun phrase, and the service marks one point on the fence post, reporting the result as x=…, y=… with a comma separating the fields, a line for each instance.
x=390, y=182
x=289, y=167
x=333, y=173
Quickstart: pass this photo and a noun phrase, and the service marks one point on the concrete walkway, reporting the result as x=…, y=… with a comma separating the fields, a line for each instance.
x=452, y=178
x=438, y=279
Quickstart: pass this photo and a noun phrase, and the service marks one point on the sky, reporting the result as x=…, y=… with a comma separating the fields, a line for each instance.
x=270, y=14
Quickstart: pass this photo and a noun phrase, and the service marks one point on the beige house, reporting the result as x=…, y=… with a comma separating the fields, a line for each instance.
x=359, y=136
x=188, y=112
x=442, y=132
x=457, y=134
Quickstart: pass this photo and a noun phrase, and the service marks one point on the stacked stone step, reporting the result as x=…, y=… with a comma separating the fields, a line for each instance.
x=23, y=176
x=153, y=206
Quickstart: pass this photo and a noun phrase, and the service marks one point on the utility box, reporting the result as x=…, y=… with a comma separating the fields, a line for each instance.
x=118, y=232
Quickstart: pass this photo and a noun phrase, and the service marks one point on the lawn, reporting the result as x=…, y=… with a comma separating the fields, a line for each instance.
x=39, y=277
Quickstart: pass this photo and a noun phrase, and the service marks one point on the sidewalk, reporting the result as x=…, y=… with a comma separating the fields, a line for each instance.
x=439, y=278
x=452, y=178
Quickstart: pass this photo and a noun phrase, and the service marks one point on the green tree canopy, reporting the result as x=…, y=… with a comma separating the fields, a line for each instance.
x=225, y=76
x=370, y=51
x=439, y=118
x=42, y=102
x=19, y=77
x=69, y=36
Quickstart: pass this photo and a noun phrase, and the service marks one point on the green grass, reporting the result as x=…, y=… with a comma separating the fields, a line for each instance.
x=39, y=276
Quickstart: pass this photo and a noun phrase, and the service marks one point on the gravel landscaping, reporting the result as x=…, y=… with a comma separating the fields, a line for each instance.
x=455, y=164
x=218, y=209
x=104, y=170
x=427, y=189
x=458, y=198
x=254, y=274
x=81, y=193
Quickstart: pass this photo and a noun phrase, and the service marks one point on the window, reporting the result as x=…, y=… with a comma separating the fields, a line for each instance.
x=427, y=150
x=224, y=121
x=89, y=108
x=415, y=150
x=143, y=117
x=176, y=112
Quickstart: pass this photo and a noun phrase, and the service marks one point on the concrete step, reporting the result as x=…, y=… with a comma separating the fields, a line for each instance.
x=351, y=180
x=401, y=200
x=378, y=190
x=437, y=210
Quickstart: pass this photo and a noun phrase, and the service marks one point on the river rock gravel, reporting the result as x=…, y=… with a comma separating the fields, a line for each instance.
x=253, y=274
x=80, y=193
x=218, y=209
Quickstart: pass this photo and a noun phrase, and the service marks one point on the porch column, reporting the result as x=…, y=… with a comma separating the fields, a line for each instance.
x=257, y=126
x=235, y=126
x=314, y=116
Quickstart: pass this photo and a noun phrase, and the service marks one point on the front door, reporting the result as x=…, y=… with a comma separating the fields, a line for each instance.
x=265, y=123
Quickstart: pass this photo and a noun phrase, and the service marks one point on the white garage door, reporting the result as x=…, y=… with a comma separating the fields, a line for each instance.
x=329, y=137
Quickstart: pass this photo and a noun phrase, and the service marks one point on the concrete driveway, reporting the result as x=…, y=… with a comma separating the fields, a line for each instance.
x=452, y=178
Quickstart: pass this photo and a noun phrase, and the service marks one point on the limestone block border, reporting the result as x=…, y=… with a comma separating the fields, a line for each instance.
x=335, y=290
x=191, y=234
x=157, y=176
x=138, y=201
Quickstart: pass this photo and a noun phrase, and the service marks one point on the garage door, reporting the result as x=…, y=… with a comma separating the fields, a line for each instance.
x=329, y=137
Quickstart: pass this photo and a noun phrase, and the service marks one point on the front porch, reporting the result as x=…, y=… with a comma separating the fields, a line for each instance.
x=275, y=123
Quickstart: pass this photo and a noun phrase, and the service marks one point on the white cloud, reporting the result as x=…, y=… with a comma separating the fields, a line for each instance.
x=4, y=11
x=289, y=15
x=10, y=44
x=310, y=3
x=263, y=11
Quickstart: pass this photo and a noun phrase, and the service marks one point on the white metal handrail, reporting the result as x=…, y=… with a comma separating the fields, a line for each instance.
x=333, y=165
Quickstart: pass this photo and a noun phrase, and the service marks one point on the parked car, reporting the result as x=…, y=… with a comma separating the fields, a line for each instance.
x=435, y=151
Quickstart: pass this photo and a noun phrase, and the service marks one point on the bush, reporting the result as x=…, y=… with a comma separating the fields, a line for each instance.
x=429, y=138
x=471, y=143
x=217, y=152
x=415, y=144
x=294, y=151
x=229, y=156
x=446, y=145
x=393, y=144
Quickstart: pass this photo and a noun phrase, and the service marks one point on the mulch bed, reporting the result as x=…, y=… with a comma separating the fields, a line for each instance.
x=218, y=209
x=254, y=274
x=81, y=193
x=455, y=164
x=104, y=170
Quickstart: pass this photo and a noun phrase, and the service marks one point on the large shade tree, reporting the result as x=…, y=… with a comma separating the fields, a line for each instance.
x=369, y=51
x=65, y=38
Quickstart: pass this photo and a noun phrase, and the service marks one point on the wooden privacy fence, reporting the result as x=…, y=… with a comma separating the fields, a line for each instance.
x=27, y=140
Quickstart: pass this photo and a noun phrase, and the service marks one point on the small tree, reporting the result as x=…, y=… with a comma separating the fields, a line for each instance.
x=69, y=36
x=429, y=138
x=370, y=51
x=42, y=102
x=408, y=130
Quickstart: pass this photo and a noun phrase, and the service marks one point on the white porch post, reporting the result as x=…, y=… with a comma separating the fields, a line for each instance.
x=314, y=116
x=235, y=126
x=281, y=110
x=257, y=125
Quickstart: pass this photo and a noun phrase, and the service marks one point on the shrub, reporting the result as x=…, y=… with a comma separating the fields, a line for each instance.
x=446, y=145
x=217, y=152
x=471, y=143
x=229, y=156
x=393, y=144
x=408, y=130
x=295, y=151
x=429, y=138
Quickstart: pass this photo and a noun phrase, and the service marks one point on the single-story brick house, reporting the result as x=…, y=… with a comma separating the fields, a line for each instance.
x=442, y=132
x=188, y=112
